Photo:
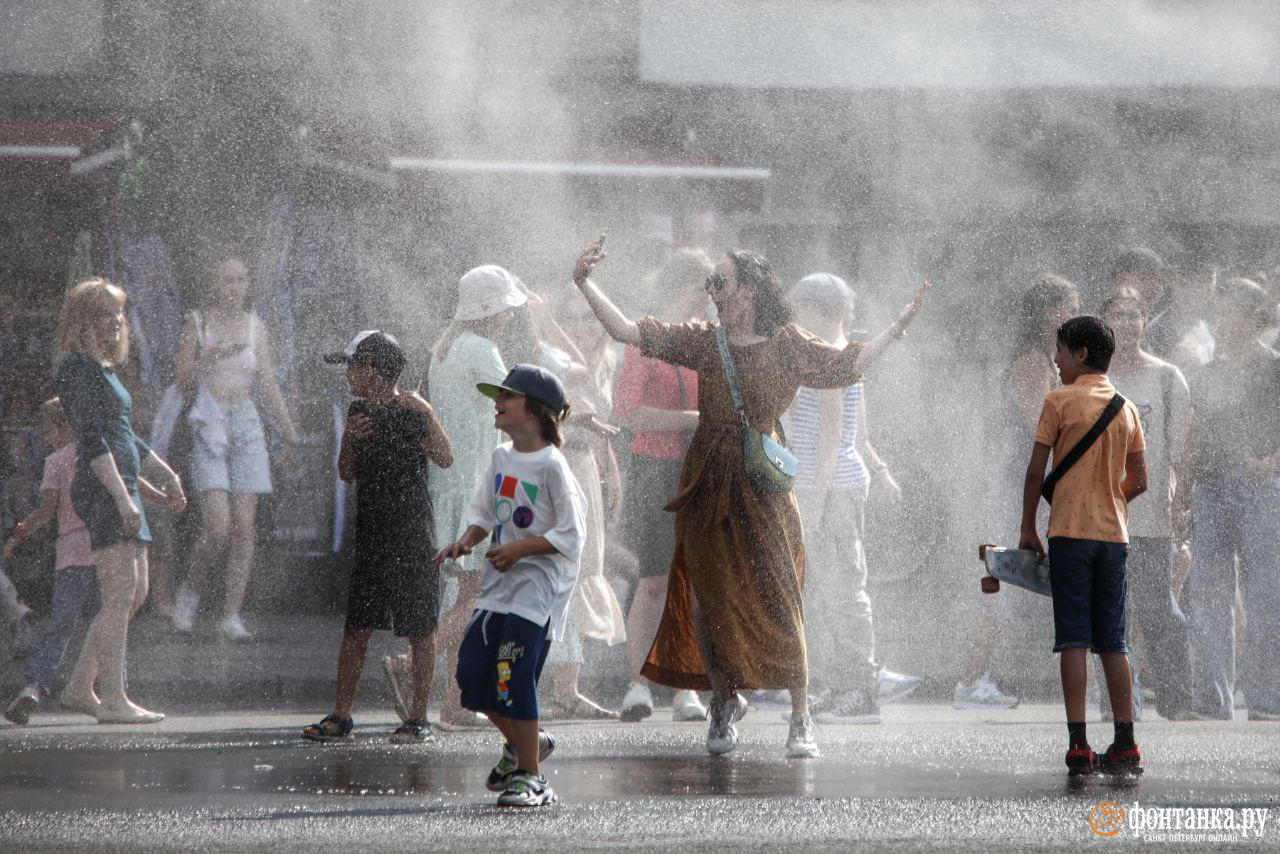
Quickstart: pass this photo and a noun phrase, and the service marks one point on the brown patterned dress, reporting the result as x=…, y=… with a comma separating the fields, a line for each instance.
x=739, y=551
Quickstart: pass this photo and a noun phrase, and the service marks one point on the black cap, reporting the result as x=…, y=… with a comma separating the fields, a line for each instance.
x=530, y=381
x=372, y=347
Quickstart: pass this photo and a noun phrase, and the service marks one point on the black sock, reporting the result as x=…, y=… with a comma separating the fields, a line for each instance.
x=1124, y=735
x=1076, y=734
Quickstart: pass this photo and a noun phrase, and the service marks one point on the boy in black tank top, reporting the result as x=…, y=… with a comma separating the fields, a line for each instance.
x=390, y=438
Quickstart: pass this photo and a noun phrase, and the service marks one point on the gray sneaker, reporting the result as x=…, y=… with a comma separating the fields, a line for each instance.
x=722, y=735
x=500, y=774
x=27, y=701
x=851, y=707
x=800, y=741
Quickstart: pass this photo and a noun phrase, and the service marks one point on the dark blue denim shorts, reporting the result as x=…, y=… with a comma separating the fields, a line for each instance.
x=499, y=664
x=1088, y=581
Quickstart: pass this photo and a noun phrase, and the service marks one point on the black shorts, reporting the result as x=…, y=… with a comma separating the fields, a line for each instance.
x=395, y=591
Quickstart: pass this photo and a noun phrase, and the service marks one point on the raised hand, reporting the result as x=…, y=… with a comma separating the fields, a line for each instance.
x=912, y=308
x=590, y=257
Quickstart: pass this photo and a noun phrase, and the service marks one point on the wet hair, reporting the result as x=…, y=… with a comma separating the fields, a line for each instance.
x=80, y=307
x=1124, y=296
x=752, y=270
x=1093, y=334
x=548, y=420
x=1139, y=261
x=1249, y=296
x=1047, y=290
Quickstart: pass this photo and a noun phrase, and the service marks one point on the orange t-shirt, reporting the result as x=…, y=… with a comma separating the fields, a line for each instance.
x=1088, y=503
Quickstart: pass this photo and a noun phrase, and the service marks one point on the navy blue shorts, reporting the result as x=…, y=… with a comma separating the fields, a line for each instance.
x=1088, y=581
x=499, y=664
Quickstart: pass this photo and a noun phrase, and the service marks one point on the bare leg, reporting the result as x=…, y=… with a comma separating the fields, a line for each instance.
x=982, y=649
x=450, y=633
x=122, y=581
x=423, y=661
x=1073, y=665
x=525, y=738
x=244, y=512
x=211, y=539
x=351, y=655
x=643, y=620
x=1119, y=685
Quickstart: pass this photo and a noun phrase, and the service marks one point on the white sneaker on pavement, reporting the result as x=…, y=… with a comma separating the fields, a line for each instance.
x=800, y=741
x=232, y=628
x=637, y=704
x=891, y=686
x=982, y=694
x=686, y=706
x=185, y=606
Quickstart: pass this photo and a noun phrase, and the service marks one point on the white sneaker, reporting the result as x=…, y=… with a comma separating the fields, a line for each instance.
x=722, y=735
x=232, y=628
x=800, y=741
x=637, y=704
x=982, y=694
x=891, y=687
x=686, y=706
x=184, y=610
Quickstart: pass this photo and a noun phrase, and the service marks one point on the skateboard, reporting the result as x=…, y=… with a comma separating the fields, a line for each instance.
x=1018, y=567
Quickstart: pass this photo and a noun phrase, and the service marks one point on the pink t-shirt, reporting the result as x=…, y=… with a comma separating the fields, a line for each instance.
x=73, y=546
x=650, y=382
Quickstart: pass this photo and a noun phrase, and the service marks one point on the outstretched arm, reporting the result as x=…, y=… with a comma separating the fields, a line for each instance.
x=874, y=349
x=619, y=327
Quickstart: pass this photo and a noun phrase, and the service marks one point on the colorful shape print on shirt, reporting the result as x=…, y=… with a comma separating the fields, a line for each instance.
x=513, y=502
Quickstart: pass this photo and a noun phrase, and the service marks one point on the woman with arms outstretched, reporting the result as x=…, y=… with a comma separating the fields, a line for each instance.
x=734, y=617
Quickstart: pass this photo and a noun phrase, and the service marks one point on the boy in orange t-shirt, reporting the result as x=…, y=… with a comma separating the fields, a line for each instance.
x=1088, y=535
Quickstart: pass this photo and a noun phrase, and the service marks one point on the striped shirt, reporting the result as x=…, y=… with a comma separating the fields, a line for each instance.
x=851, y=473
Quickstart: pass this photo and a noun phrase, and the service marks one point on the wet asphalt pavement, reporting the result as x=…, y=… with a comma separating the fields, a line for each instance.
x=928, y=778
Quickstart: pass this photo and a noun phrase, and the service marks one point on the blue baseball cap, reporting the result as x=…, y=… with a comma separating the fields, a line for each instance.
x=529, y=381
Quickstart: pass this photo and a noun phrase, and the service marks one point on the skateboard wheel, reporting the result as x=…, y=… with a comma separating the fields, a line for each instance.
x=990, y=584
x=982, y=550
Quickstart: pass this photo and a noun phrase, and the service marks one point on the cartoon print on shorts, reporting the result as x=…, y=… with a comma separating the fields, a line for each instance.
x=508, y=654
x=504, y=682
x=513, y=501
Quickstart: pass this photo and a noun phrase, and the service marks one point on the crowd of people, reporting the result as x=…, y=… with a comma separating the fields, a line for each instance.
x=623, y=501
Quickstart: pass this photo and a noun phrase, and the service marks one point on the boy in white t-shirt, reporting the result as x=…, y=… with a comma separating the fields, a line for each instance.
x=535, y=509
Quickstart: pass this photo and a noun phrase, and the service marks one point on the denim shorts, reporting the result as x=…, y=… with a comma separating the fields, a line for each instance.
x=499, y=664
x=1088, y=582
x=243, y=468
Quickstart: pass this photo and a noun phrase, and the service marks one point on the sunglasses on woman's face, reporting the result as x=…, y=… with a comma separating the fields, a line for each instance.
x=715, y=283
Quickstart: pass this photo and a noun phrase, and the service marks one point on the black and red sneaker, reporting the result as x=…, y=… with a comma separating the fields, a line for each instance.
x=1121, y=761
x=1081, y=760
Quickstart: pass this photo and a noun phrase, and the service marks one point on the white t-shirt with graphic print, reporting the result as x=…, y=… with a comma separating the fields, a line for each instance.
x=530, y=495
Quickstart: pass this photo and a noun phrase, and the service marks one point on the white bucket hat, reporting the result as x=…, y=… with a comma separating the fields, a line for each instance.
x=486, y=291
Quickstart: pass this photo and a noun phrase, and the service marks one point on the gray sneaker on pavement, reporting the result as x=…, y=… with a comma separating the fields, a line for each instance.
x=800, y=741
x=722, y=735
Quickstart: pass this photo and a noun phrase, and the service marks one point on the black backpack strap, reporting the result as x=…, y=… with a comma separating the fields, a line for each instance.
x=1073, y=456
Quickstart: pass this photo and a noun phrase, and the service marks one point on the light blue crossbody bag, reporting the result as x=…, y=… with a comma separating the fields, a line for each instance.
x=769, y=465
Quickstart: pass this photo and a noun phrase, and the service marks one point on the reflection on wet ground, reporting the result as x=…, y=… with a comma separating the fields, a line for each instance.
x=923, y=767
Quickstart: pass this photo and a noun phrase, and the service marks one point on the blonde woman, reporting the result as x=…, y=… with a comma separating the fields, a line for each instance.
x=110, y=461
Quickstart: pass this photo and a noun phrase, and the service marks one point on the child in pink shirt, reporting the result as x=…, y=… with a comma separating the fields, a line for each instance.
x=75, y=587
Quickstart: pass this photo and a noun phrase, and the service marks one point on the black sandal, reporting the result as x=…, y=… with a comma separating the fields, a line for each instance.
x=330, y=728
